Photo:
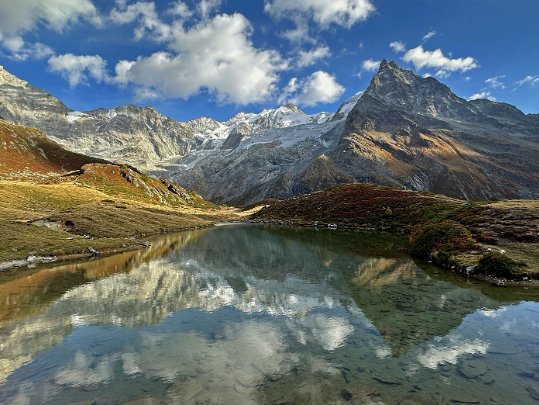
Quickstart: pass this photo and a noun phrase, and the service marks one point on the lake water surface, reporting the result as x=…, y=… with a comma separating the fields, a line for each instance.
x=254, y=314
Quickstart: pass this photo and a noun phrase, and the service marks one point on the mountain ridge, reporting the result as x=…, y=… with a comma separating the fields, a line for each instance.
x=403, y=130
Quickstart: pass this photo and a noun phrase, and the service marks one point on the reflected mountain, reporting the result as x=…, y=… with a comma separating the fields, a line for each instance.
x=297, y=301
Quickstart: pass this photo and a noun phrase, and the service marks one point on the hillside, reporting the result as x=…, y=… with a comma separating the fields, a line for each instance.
x=477, y=229
x=57, y=203
x=27, y=152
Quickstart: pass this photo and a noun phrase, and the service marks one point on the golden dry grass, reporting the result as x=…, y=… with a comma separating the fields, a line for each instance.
x=96, y=219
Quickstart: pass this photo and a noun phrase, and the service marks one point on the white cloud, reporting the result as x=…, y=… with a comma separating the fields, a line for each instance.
x=207, y=7
x=180, y=9
x=308, y=58
x=20, y=17
x=370, y=65
x=442, y=74
x=398, y=46
x=482, y=95
x=422, y=58
x=344, y=13
x=428, y=35
x=290, y=89
x=146, y=15
x=215, y=54
x=300, y=33
x=20, y=50
x=77, y=69
x=531, y=80
x=320, y=87
x=495, y=82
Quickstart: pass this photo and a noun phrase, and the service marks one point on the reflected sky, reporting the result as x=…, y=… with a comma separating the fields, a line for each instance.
x=252, y=314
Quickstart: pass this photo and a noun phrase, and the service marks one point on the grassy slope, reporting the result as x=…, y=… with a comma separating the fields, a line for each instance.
x=96, y=219
x=55, y=202
x=512, y=225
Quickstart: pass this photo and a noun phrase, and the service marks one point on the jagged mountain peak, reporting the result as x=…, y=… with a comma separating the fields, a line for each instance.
x=404, y=90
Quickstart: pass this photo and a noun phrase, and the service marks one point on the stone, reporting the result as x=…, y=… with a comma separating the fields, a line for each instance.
x=93, y=252
x=472, y=369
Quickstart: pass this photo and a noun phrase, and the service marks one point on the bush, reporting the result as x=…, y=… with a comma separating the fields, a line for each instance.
x=496, y=264
x=446, y=236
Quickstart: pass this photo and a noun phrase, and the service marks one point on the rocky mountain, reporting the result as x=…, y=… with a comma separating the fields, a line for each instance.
x=404, y=130
x=130, y=134
x=136, y=135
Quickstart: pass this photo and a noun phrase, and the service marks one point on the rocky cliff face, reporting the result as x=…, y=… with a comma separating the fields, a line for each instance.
x=414, y=132
x=404, y=131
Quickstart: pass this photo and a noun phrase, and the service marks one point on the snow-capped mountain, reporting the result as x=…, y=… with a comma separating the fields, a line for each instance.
x=404, y=131
x=139, y=136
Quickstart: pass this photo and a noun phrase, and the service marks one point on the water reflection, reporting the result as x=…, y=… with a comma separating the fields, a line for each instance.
x=260, y=315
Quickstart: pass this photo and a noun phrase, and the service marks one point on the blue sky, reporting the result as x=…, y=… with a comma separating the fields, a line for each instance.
x=216, y=58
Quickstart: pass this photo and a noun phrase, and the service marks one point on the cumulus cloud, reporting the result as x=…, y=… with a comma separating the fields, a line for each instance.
x=20, y=17
x=323, y=12
x=320, y=87
x=398, y=46
x=215, y=54
x=77, y=69
x=370, y=65
x=147, y=17
x=20, y=50
x=308, y=58
x=179, y=9
x=482, y=95
x=428, y=35
x=531, y=80
x=422, y=58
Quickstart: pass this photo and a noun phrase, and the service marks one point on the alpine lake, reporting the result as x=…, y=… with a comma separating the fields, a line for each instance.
x=249, y=314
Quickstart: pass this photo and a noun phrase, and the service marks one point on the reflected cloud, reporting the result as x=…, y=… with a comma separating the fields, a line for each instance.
x=449, y=352
x=328, y=332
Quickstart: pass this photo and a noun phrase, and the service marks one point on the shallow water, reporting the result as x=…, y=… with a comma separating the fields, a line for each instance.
x=250, y=314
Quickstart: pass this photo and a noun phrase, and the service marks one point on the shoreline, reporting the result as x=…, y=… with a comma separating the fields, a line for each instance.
x=460, y=271
x=112, y=250
x=11, y=265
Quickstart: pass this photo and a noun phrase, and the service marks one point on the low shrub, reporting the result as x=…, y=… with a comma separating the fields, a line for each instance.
x=445, y=236
x=496, y=264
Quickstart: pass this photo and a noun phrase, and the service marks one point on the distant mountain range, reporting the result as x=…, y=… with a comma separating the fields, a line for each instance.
x=404, y=131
